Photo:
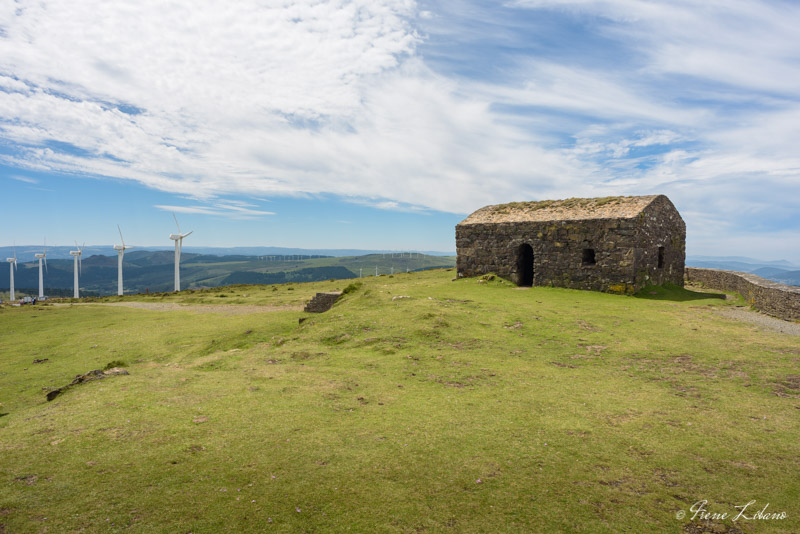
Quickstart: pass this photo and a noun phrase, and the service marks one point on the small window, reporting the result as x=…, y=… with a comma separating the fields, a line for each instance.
x=660, y=257
x=588, y=256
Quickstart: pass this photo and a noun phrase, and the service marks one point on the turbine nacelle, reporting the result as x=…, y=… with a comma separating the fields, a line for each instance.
x=123, y=247
x=39, y=256
x=179, y=235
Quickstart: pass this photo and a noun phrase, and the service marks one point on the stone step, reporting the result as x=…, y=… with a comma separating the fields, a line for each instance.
x=322, y=302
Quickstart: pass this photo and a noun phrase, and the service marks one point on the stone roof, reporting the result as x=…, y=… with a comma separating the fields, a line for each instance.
x=571, y=209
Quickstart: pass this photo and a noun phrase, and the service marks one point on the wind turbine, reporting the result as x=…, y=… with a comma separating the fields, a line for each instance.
x=40, y=257
x=120, y=253
x=76, y=255
x=178, y=238
x=12, y=265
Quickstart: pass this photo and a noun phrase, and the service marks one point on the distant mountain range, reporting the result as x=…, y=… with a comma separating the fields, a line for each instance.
x=780, y=271
x=153, y=271
x=26, y=252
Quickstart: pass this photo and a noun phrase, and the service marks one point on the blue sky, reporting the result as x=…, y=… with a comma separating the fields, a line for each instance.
x=382, y=123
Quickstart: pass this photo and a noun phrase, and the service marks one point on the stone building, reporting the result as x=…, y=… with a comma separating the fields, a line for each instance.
x=616, y=244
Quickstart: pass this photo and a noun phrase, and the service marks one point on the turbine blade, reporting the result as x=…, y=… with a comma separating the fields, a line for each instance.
x=120, y=235
x=184, y=235
x=45, y=264
x=176, y=222
x=80, y=264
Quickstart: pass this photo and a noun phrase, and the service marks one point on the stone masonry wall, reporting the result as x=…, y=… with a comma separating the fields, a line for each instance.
x=626, y=250
x=557, y=252
x=769, y=297
x=322, y=302
x=660, y=225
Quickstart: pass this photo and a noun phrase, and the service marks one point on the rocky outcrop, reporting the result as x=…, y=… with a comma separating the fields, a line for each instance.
x=91, y=376
x=769, y=297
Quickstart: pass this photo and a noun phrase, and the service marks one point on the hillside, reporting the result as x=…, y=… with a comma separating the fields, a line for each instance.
x=417, y=404
x=780, y=271
x=153, y=271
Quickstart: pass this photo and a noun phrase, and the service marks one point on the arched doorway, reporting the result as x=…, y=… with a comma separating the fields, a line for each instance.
x=525, y=266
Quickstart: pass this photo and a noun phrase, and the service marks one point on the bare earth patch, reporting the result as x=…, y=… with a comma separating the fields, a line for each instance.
x=230, y=309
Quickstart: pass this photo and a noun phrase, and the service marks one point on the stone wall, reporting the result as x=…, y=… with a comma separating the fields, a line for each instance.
x=769, y=297
x=322, y=302
x=660, y=225
x=625, y=250
x=557, y=252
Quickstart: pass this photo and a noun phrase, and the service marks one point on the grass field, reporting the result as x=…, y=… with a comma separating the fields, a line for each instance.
x=417, y=404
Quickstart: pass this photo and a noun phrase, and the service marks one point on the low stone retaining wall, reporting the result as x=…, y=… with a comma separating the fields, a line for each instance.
x=769, y=297
x=322, y=302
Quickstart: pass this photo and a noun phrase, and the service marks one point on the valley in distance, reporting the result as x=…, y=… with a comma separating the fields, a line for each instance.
x=153, y=270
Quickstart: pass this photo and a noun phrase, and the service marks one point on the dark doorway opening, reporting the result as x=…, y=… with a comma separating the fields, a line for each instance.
x=588, y=256
x=525, y=266
x=660, y=257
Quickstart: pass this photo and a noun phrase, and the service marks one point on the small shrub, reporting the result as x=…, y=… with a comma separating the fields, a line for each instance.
x=352, y=288
x=115, y=363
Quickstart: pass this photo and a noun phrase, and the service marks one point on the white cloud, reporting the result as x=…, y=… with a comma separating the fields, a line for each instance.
x=744, y=43
x=225, y=209
x=24, y=179
x=332, y=97
x=595, y=93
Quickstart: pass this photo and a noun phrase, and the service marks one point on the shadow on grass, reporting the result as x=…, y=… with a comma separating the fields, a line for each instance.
x=675, y=293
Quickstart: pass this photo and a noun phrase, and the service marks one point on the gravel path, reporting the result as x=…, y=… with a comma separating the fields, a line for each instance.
x=230, y=309
x=762, y=320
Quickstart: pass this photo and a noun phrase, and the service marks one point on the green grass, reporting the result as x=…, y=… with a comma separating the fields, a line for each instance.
x=417, y=404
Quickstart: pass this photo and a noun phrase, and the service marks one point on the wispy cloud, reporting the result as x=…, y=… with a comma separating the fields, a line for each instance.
x=227, y=209
x=25, y=179
x=407, y=106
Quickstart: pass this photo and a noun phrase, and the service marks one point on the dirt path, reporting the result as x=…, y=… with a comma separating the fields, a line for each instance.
x=229, y=309
x=762, y=320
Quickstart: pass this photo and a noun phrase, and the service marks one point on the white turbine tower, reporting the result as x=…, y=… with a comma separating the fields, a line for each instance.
x=120, y=253
x=40, y=257
x=178, y=238
x=76, y=255
x=12, y=265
